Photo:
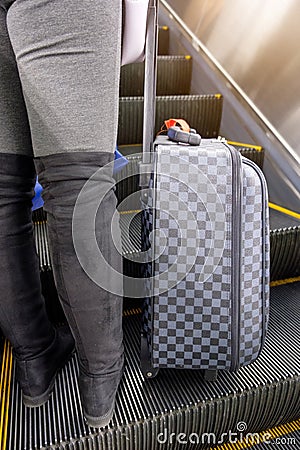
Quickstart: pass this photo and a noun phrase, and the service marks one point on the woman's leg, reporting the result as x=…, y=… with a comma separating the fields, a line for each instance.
x=38, y=349
x=68, y=55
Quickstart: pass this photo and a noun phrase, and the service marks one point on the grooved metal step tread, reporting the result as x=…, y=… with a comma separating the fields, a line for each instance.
x=202, y=112
x=285, y=253
x=174, y=74
x=262, y=395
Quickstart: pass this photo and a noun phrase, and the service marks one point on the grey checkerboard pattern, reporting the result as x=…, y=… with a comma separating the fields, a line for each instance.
x=188, y=314
x=255, y=234
x=191, y=304
x=266, y=272
x=251, y=276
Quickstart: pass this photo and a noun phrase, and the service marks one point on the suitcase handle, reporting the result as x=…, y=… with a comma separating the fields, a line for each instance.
x=150, y=80
x=176, y=134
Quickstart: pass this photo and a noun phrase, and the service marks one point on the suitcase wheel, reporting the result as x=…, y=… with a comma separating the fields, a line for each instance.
x=150, y=373
x=146, y=367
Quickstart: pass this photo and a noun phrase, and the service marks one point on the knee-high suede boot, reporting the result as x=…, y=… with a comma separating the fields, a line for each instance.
x=93, y=309
x=39, y=349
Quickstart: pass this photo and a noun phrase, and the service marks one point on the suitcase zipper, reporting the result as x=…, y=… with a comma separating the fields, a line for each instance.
x=236, y=258
x=264, y=243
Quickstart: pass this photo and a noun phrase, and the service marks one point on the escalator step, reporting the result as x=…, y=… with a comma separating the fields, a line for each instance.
x=282, y=218
x=127, y=183
x=39, y=215
x=174, y=74
x=253, y=152
x=202, y=112
x=285, y=253
x=263, y=394
x=41, y=240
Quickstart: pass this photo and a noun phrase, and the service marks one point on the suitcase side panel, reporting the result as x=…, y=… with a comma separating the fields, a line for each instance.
x=189, y=326
x=255, y=264
x=148, y=267
x=192, y=290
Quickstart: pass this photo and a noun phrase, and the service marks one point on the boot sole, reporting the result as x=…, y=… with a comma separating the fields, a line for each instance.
x=101, y=421
x=35, y=402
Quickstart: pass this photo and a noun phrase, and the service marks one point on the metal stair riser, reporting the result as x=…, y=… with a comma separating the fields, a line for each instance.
x=254, y=155
x=285, y=253
x=174, y=74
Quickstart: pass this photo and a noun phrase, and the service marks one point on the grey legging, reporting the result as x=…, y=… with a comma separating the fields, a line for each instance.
x=68, y=60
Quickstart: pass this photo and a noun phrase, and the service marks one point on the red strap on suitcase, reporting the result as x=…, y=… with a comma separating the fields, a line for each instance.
x=183, y=124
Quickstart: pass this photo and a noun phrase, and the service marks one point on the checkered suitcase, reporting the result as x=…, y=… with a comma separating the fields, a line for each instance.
x=205, y=234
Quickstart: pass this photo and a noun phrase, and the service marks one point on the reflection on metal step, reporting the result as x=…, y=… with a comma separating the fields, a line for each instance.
x=174, y=74
x=262, y=395
x=202, y=112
